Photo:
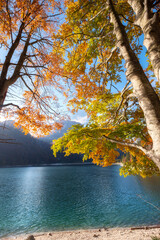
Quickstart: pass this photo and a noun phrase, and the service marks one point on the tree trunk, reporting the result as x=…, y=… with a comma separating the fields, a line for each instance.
x=4, y=82
x=147, y=98
x=150, y=25
x=3, y=93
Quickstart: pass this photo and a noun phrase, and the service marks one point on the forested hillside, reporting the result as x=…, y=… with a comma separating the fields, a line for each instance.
x=27, y=150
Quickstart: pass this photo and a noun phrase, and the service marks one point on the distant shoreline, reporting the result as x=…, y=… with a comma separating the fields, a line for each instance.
x=100, y=234
x=59, y=164
x=48, y=165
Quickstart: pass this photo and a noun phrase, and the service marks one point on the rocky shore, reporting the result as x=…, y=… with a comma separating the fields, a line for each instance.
x=99, y=234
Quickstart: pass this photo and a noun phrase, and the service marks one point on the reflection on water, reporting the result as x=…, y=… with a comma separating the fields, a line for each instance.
x=68, y=197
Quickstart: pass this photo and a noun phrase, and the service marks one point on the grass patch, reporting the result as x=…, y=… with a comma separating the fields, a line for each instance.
x=155, y=238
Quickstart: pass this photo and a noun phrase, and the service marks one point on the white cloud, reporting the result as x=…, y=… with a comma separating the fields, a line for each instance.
x=82, y=120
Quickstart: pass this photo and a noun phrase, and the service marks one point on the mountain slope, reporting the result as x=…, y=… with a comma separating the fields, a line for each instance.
x=28, y=150
x=60, y=133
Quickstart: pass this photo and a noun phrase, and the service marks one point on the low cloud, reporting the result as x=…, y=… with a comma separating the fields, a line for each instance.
x=80, y=119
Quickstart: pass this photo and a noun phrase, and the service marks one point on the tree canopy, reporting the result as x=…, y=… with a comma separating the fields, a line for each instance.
x=31, y=66
x=103, y=43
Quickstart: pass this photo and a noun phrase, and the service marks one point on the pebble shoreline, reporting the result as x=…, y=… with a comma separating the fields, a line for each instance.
x=92, y=234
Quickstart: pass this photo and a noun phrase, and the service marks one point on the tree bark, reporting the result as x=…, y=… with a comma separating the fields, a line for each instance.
x=4, y=84
x=147, y=98
x=149, y=22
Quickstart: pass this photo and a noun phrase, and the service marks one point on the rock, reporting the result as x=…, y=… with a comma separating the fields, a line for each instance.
x=106, y=229
x=50, y=234
x=31, y=237
x=95, y=235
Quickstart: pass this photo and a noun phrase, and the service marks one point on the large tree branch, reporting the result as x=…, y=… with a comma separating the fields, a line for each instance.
x=10, y=21
x=146, y=96
x=9, y=56
x=19, y=65
x=149, y=21
x=126, y=144
x=137, y=6
x=149, y=153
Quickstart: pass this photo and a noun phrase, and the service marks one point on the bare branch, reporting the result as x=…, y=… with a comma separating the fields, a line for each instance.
x=29, y=66
x=126, y=87
x=43, y=103
x=41, y=40
x=10, y=104
x=97, y=14
x=126, y=18
x=34, y=93
x=114, y=87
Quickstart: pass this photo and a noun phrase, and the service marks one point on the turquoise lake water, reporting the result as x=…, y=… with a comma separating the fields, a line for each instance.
x=36, y=199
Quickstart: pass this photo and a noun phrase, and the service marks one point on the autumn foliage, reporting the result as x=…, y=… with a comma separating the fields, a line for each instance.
x=31, y=67
x=94, y=65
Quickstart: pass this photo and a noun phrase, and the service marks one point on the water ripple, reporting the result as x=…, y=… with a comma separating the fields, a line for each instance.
x=69, y=197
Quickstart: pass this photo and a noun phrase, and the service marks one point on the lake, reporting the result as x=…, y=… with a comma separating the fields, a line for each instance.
x=36, y=199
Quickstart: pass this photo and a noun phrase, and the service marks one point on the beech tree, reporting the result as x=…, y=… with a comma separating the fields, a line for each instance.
x=102, y=40
x=29, y=64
